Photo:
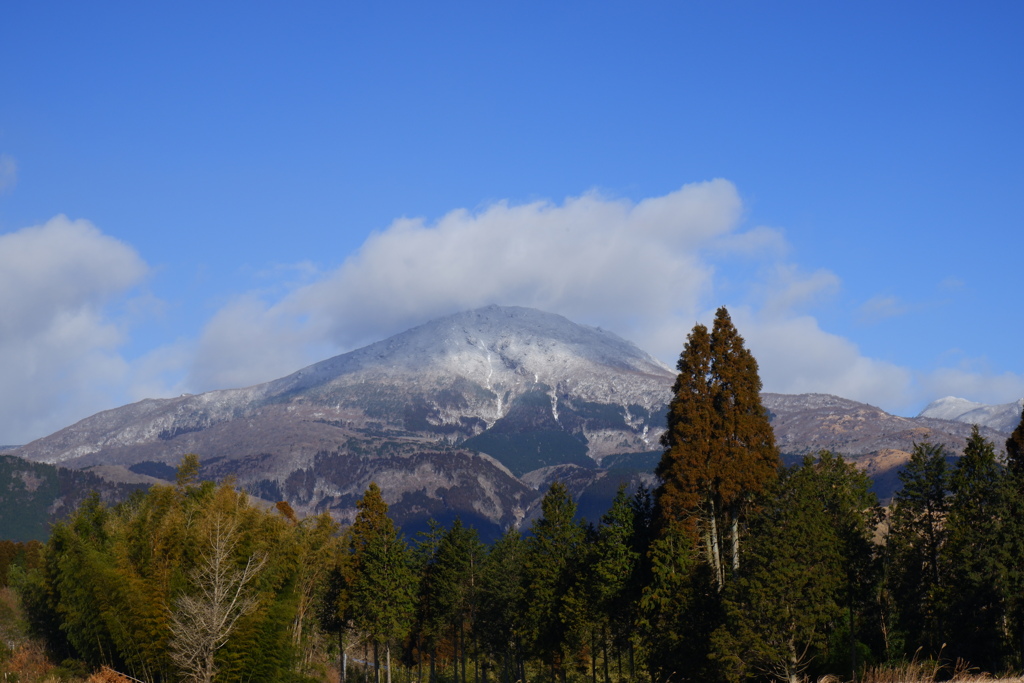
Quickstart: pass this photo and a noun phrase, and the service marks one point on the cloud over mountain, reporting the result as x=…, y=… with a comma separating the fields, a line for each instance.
x=647, y=270
x=59, y=345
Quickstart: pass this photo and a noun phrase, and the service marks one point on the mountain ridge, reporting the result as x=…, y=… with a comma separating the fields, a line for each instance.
x=469, y=414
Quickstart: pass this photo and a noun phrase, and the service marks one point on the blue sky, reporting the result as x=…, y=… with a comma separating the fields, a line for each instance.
x=202, y=195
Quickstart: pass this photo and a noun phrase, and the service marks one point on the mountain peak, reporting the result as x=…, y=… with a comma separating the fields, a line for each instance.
x=1003, y=417
x=492, y=345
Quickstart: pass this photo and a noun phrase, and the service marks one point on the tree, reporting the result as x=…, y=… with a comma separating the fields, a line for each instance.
x=808, y=556
x=192, y=571
x=913, y=546
x=382, y=584
x=972, y=562
x=614, y=564
x=502, y=621
x=679, y=608
x=719, y=446
x=553, y=551
x=203, y=620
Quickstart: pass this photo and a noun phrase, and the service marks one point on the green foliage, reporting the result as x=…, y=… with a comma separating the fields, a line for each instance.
x=678, y=608
x=381, y=584
x=807, y=555
x=501, y=621
x=970, y=560
x=35, y=495
x=554, y=551
x=913, y=546
x=113, y=581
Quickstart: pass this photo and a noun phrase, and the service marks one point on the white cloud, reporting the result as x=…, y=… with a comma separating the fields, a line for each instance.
x=8, y=173
x=596, y=260
x=648, y=270
x=645, y=270
x=58, y=346
x=973, y=383
x=796, y=356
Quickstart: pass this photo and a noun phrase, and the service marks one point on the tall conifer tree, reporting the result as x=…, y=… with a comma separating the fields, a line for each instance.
x=719, y=446
x=971, y=560
x=917, y=534
x=382, y=585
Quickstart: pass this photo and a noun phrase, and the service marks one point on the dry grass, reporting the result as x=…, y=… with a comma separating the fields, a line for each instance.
x=108, y=675
x=931, y=670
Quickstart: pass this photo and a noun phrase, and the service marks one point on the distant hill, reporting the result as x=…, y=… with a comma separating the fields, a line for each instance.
x=472, y=415
x=35, y=495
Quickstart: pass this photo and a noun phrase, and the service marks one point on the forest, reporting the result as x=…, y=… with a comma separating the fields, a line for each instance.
x=735, y=568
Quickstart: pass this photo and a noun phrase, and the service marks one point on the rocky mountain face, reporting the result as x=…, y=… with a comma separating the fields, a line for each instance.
x=446, y=417
x=471, y=415
x=877, y=441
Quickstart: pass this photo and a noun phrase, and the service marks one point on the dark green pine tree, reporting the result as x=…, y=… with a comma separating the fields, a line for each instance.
x=971, y=559
x=553, y=553
x=457, y=577
x=1012, y=548
x=789, y=594
x=719, y=446
x=502, y=622
x=429, y=624
x=913, y=548
x=678, y=609
x=615, y=566
x=382, y=584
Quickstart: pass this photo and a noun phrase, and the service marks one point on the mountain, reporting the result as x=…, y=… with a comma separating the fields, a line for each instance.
x=472, y=415
x=446, y=417
x=34, y=495
x=877, y=441
x=1002, y=418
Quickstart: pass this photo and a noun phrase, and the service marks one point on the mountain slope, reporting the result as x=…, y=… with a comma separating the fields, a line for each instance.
x=472, y=415
x=417, y=412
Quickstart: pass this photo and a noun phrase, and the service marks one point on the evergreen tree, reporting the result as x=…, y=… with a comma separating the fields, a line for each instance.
x=971, y=558
x=429, y=624
x=553, y=551
x=382, y=584
x=614, y=565
x=679, y=607
x=809, y=556
x=719, y=446
x=1011, y=548
x=913, y=547
x=456, y=576
x=788, y=595
x=502, y=622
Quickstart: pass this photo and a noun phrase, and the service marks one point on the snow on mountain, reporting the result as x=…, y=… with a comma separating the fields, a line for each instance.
x=1002, y=418
x=468, y=415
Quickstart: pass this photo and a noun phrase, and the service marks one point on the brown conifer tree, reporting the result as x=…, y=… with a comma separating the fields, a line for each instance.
x=719, y=447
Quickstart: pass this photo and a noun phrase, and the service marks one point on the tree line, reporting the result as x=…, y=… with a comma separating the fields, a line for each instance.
x=734, y=568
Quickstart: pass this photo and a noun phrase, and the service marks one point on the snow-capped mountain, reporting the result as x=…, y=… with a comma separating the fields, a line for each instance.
x=1002, y=418
x=471, y=415
x=446, y=415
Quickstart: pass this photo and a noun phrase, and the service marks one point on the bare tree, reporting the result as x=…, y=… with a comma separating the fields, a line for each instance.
x=202, y=622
